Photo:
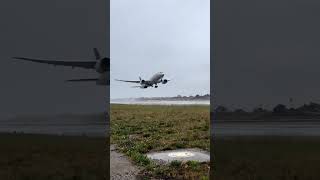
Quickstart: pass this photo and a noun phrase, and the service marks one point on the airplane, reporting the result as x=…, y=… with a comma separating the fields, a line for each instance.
x=154, y=80
x=101, y=66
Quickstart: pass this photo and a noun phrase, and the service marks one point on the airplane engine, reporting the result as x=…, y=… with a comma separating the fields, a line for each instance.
x=103, y=65
x=164, y=81
x=142, y=81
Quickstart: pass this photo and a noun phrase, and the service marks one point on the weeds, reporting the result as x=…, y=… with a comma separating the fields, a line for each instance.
x=138, y=129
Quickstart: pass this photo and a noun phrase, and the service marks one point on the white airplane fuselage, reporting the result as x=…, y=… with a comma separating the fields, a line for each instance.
x=156, y=78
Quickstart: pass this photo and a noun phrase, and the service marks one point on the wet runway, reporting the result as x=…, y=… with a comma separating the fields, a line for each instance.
x=94, y=124
x=264, y=128
x=160, y=102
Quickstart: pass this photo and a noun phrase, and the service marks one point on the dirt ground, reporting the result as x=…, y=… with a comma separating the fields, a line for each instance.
x=120, y=166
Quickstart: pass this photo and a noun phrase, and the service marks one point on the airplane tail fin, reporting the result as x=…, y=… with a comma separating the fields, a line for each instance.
x=96, y=53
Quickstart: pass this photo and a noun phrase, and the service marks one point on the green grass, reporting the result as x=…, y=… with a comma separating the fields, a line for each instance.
x=139, y=129
x=37, y=157
x=264, y=158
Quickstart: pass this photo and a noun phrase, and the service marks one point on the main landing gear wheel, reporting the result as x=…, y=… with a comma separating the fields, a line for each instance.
x=155, y=86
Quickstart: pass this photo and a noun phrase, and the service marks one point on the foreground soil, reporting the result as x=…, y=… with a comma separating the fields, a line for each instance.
x=37, y=157
x=121, y=168
x=265, y=158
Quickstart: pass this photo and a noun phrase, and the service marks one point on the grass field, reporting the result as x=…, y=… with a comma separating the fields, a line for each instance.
x=37, y=157
x=265, y=158
x=138, y=129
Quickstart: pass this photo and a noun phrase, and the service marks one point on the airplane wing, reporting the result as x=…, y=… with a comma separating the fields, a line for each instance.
x=77, y=80
x=81, y=64
x=127, y=81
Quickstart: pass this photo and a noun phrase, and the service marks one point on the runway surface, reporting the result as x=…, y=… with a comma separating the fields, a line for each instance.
x=297, y=127
x=94, y=124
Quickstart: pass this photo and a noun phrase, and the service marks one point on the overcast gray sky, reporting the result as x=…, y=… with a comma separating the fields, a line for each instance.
x=266, y=52
x=53, y=29
x=172, y=36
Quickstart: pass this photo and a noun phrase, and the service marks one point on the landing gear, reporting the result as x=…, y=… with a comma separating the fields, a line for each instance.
x=155, y=86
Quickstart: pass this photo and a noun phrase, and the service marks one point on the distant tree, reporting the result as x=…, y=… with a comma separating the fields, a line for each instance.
x=292, y=109
x=197, y=95
x=315, y=107
x=221, y=109
x=311, y=107
x=179, y=96
x=280, y=108
x=239, y=111
x=259, y=110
